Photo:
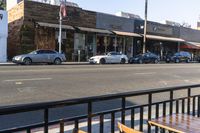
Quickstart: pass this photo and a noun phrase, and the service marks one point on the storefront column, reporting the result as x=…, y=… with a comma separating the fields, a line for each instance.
x=132, y=38
x=115, y=43
x=178, y=46
x=95, y=45
x=124, y=43
x=161, y=50
x=105, y=43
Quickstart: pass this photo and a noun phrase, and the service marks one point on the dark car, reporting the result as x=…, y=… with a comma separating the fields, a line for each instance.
x=179, y=57
x=145, y=58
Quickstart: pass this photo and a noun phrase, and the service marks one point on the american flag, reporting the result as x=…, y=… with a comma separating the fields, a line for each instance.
x=63, y=9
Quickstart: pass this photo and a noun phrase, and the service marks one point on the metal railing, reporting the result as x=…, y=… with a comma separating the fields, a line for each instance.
x=181, y=99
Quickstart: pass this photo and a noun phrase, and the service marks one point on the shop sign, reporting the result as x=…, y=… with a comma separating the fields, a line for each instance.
x=159, y=29
x=115, y=27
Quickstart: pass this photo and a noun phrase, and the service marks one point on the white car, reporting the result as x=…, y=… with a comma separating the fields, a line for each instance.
x=110, y=57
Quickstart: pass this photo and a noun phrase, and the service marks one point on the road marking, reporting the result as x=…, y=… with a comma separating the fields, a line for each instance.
x=164, y=82
x=18, y=83
x=186, y=80
x=26, y=89
x=177, y=76
x=149, y=73
x=33, y=79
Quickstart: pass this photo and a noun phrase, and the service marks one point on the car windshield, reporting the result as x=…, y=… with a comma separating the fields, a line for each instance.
x=139, y=55
x=177, y=54
x=33, y=52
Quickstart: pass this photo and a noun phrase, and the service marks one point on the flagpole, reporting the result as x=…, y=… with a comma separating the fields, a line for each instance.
x=60, y=31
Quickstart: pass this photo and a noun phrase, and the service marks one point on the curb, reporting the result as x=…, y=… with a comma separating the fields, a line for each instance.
x=64, y=63
x=7, y=64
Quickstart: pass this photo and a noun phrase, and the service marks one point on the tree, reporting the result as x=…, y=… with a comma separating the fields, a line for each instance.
x=3, y=4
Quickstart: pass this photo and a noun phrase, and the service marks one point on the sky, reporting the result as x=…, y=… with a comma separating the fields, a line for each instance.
x=158, y=10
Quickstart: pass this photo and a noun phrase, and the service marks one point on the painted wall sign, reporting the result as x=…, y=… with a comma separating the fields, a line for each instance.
x=159, y=29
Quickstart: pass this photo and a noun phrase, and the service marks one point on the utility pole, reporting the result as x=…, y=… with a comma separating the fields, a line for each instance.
x=145, y=27
x=60, y=31
x=62, y=14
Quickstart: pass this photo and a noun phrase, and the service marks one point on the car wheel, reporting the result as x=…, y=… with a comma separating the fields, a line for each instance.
x=57, y=61
x=102, y=61
x=27, y=61
x=177, y=60
x=140, y=61
x=156, y=61
x=188, y=61
x=123, y=61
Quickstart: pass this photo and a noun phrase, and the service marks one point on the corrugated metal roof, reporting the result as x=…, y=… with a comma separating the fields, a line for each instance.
x=127, y=33
x=55, y=25
x=95, y=30
x=154, y=37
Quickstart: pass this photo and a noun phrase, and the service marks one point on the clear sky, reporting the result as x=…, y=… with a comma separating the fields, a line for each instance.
x=158, y=10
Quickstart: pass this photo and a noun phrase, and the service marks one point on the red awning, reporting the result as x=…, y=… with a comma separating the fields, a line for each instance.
x=189, y=46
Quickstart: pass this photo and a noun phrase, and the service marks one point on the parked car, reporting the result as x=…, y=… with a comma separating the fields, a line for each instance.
x=145, y=58
x=40, y=56
x=181, y=56
x=110, y=57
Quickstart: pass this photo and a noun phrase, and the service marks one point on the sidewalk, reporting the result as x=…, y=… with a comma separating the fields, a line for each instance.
x=64, y=63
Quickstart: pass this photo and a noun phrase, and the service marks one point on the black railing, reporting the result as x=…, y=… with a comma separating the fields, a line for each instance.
x=159, y=102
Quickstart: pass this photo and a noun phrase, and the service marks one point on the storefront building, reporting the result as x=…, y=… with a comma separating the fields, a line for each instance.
x=122, y=39
x=161, y=39
x=192, y=41
x=34, y=25
x=3, y=35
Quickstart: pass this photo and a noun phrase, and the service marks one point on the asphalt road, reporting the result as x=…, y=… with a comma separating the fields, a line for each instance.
x=39, y=83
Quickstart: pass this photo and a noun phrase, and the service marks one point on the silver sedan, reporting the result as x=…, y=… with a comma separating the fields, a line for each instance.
x=40, y=56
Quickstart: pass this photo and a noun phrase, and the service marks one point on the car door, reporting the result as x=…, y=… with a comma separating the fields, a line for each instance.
x=110, y=58
x=115, y=57
x=42, y=56
x=50, y=55
x=118, y=58
x=146, y=58
x=46, y=56
x=36, y=56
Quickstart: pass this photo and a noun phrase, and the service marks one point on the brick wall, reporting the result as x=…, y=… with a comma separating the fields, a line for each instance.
x=15, y=20
x=40, y=12
x=25, y=36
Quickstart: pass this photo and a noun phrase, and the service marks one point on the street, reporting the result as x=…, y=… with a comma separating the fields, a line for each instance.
x=39, y=83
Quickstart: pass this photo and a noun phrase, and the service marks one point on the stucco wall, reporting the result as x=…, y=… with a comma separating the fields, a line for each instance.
x=190, y=34
x=3, y=35
x=112, y=22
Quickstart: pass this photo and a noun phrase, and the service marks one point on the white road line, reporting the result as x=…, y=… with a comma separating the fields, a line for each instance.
x=33, y=79
x=149, y=73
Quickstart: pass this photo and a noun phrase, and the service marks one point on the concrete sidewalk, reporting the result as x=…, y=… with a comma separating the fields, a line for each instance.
x=64, y=63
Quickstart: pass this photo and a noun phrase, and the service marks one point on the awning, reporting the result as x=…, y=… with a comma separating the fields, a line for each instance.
x=154, y=37
x=95, y=30
x=190, y=45
x=55, y=25
x=194, y=43
x=127, y=33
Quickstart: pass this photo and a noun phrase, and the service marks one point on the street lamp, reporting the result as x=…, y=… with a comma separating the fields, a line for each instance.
x=145, y=27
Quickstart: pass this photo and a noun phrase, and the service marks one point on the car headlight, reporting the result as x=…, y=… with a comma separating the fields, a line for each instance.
x=17, y=58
